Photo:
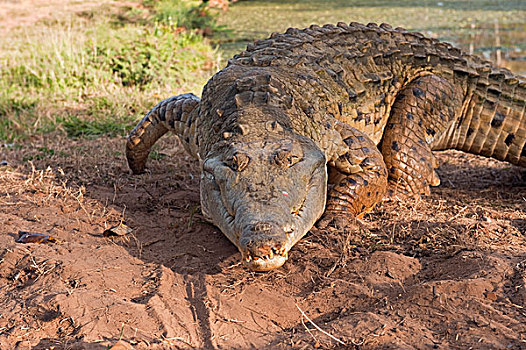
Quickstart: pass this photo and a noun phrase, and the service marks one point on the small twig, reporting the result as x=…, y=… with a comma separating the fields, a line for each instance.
x=234, y=265
x=35, y=265
x=147, y=244
x=457, y=214
x=169, y=340
x=308, y=330
x=114, y=193
x=80, y=198
x=122, y=331
x=122, y=214
x=318, y=328
x=192, y=213
x=233, y=320
x=148, y=193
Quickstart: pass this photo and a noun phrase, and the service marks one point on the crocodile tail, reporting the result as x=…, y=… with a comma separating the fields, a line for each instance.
x=176, y=114
x=492, y=122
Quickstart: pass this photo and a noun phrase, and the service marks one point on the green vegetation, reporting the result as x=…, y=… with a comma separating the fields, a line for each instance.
x=98, y=72
x=198, y=17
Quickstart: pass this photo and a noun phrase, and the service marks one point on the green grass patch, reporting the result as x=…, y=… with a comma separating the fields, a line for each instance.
x=199, y=16
x=76, y=126
x=97, y=72
x=156, y=155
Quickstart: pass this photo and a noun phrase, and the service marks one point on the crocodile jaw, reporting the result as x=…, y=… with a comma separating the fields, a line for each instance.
x=265, y=263
x=264, y=209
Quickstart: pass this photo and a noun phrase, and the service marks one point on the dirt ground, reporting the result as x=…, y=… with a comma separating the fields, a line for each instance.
x=444, y=272
x=24, y=13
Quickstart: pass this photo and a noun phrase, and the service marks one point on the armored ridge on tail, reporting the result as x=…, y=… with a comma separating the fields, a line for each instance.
x=368, y=103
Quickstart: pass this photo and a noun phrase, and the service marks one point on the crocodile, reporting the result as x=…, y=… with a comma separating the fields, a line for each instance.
x=332, y=119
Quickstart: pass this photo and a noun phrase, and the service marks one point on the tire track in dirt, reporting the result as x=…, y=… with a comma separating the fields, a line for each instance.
x=196, y=294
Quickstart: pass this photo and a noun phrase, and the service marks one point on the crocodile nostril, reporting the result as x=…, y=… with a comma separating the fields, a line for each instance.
x=240, y=161
x=263, y=240
x=262, y=227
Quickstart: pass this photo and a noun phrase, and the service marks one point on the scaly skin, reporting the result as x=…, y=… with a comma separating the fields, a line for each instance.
x=355, y=108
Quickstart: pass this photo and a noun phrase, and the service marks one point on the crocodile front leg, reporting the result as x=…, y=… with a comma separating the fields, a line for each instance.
x=176, y=114
x=359, y=176
x=420, y=118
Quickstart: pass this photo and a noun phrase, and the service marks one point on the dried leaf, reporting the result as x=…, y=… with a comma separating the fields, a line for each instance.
x=491, y=296
x=119, y=230
x=34, y=237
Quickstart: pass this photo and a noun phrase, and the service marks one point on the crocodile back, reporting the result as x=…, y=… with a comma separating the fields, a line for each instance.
x=354, y=72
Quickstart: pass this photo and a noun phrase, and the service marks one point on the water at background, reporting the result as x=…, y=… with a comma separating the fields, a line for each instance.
x=493, y=29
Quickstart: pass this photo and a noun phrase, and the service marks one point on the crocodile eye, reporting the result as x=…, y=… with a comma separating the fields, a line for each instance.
x=239, y=161
x=285, y=158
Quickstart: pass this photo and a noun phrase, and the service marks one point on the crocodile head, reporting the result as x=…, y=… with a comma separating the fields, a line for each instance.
x=264, y=195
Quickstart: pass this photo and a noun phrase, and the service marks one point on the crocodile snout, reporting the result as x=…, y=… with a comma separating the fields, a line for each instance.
x=264, y=194
x=264, y=245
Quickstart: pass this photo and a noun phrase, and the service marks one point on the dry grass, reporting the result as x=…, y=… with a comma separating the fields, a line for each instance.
x=95, y=69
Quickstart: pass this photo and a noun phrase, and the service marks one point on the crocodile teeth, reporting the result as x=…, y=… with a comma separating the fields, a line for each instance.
x=280, y=252
x=273, y=253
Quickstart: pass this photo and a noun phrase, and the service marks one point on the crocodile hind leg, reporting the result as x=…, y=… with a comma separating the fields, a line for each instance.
x=420, y=118
x=358, y=176
x=176, y=114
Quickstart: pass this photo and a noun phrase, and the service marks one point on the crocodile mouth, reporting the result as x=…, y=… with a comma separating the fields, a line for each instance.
x=265, y=245
x=276, y=258
x=271, y=254
x=266, y=251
